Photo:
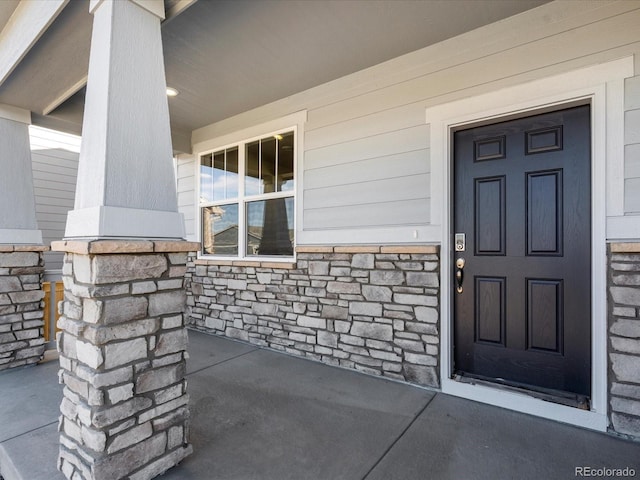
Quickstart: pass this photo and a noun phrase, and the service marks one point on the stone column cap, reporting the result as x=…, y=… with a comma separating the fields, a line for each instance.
x=625, y=247
x=6, y=248
x=114, y=246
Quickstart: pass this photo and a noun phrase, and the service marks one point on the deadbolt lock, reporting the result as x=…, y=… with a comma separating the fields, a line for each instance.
x=460, y=242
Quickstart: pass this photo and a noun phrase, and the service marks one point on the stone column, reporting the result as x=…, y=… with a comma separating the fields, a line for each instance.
x=624, y=338
x=122, y=358
x=21, y=249
x=123, y=340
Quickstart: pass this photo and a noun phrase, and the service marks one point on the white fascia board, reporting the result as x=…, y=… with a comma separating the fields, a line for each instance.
x=27, y=24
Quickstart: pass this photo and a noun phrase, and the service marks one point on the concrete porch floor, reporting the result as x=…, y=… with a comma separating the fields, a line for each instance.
x=258, y=414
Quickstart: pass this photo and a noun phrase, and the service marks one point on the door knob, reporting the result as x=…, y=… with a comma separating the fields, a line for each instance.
x=459, y=274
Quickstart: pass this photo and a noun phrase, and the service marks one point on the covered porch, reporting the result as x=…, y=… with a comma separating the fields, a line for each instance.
x=261, y=414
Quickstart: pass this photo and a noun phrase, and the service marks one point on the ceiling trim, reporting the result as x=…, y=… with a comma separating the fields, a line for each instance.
x=26, y=25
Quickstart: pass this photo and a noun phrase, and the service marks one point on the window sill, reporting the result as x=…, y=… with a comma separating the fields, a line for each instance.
x=286, y=265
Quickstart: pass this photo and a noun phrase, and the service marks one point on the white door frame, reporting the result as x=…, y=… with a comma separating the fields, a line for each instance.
x=603, y=87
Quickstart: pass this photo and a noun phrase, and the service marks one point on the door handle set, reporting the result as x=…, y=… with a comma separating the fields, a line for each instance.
x=459, y=274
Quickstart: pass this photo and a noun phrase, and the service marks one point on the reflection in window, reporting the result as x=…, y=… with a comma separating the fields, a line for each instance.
x=270, y=227
x=220, y=229
x=219, y=175
x=258, y=177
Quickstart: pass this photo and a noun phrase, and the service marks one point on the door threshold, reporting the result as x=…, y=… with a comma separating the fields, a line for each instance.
x=546, y=394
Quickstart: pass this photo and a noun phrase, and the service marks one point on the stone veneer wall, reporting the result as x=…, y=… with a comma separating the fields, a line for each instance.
x=21, y=307
x=624, y=338
x=122, y=358
x=373, y=309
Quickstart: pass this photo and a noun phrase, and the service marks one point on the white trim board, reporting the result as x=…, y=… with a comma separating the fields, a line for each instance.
x=600, y=86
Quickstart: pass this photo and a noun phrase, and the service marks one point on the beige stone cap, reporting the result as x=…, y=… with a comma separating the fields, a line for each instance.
x=86, y=247
x=627, y=247
x=23, y=248
x=245, y=263
x=368, y=249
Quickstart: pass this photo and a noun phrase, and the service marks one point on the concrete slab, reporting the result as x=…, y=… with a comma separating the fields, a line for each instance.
x=207, y=350
x=460, y=439
x=30, y=398
x=31, y=456
x=269, y=416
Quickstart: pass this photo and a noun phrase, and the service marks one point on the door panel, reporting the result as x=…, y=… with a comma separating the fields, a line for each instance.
x=523, y=198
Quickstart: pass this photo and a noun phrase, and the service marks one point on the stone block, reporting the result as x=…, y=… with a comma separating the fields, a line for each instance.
x=318, y=268
x=121, y=353
x=410, y=299
x=625, y=295
x=171, y=342
x=626, y=367
x=125, y=268
x=159, y=378
x=161, y=465
x=28, y=296
x=10, y=284
x=19, y=259
x=120, y=393
x=626, y=345
x=139, y=288
x=105, y=417
x=124, y=331
x=363, y=260
x=130, y=437
x=328, y=339
x=94, y=439
x=626, y=328
x=375, y=293
x=352, y=288
x=423, y=279
x=214, y=323
x=372, y=330
x=365, y=308
x=422, y=375
x=625, y=424
x=335, y=312
x=89, y=354
x=417, y=359
x=121, y=464
x=625, y=405
x=312, y=322
x=167, y=302
x=426, y=314
x=386, y=277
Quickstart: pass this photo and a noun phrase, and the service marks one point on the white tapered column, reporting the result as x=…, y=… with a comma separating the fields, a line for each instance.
x=18, y=224
x=126, y=185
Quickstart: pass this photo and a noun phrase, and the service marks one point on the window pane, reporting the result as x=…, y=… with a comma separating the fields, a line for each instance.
x=268, y=147
x=220, y=229
x=206, y=179
x=252, y=174
x=285, y=163
x=270, y=227
x=218, y=176
x=232, y=173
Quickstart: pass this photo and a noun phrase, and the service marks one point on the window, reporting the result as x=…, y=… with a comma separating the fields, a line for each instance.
x=247, y=199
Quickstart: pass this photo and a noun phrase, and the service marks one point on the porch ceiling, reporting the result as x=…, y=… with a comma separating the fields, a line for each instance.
x=229, y=56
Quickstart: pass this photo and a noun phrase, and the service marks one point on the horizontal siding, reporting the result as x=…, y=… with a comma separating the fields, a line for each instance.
x=389, y=143
x=366, y=162
x=409, y=212
x=397, y=165
x=55, y=165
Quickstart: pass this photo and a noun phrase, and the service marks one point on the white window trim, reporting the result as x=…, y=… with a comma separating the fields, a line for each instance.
x=294, y=122
x=603, y=86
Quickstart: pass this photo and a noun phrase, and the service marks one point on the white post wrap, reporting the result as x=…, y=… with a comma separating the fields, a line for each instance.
x=126, y=185
x=18, y=223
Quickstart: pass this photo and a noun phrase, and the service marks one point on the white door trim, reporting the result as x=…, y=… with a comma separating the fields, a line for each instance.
x=603, y=87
